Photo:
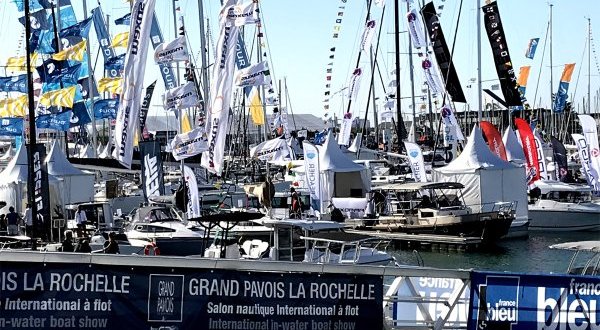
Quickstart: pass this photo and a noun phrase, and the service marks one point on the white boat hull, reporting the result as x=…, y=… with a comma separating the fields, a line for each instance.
x=563, y=220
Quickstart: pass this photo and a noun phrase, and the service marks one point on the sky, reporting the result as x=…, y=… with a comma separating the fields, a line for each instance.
x=298, y=38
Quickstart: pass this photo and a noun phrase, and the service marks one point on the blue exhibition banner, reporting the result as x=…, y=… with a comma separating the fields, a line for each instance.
x=14, y=84
x=83, y=295
x=56, y=121
x=524, y=301
x=106, y=109
x=11, y=126
x=79, y=114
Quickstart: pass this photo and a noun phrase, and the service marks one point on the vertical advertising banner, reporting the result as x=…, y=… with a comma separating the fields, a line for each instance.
x=523, y=301
x=442, y=53
x=589, y=129
x=313, y=173
x=152, y=169
x=504, y=67
x=417, y=164
x=529, y=148
x=41, y=192
x=75, y=295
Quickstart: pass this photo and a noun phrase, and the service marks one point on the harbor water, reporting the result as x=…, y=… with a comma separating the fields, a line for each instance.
x=531, y=255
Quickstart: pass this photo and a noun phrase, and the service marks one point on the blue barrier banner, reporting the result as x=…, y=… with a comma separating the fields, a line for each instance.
x=82, y=295
x=523, y=301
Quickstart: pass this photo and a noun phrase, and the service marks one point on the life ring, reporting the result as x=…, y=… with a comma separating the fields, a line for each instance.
x=151, y=250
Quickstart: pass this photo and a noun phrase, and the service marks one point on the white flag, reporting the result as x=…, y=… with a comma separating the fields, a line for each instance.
x=128, y=114
x=254, y=75
x=173, y=51
x=416, y=29
x=242, y=14
x=367, y=36
x=354, y=83
x=450, y=120
x=312, y=172
x=189, y=144
x=345, y=131
x=539, y=147
x=432, y=75
x=181, y=97
x=586, y=161
x=193, y=201
x=217, y=114
x=417, y=164
x=271, y=150
x=590, y=132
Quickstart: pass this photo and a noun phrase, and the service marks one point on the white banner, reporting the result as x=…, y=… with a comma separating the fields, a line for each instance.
x=367, y=36
x=539, y=147
x=189, y=144
x=432, y=75
x=586, y=162
x=254, y=75
x=386, y=115
x=312, y=172
x=354, y=83
x=128, y=114
x=590, y=132
x=173, y=51
x=417, y=164
x=242, y=14
x=416, y=29
x=345, y=131
x=193, y=201
x=450, y=120
x=271, y=150
x=352, y=207
x=217, y=114
x=181, y=97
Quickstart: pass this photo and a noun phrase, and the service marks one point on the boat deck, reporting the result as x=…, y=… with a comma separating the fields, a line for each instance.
x=425, y=241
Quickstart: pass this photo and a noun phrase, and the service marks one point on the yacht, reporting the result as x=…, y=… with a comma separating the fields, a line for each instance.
x=559, y=206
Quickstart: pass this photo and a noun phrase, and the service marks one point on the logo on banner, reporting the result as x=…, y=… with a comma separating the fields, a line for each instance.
x=595, y=152
x=152, y=182
x=498, y=301
x=37, y=177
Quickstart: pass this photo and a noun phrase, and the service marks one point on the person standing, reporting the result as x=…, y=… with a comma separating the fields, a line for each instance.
x=67, y=244
x=12, y=219
x=296, y=205
x=81, y=220
x=28, y=221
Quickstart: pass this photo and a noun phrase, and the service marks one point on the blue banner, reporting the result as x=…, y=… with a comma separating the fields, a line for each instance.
x=166, y=70
x=33, y=5
x=11, y=126
x=561, y=97
x=103, y=38
x=109, y=296
x=59, y=121
x=14, y=84
x=81, y=29
x=531, y=47
x=115, y=64
x=524, y=301
x=106, y=109
x=66, y=75
x=79, y=115
x=38, y=20
x=83, y=91
x=125, y=20
x=241, y=59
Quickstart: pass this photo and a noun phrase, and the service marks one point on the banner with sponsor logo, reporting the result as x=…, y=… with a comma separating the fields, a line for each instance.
x=416, y=29
x=152, y=169
x=41, y=194
x=529, y=149
x=563, y=87
x=416, y=161
x=193, y=201
x=173, y=51
x=11, y=126
x=79, y=115
x=109, y=295
x=166, y=70
x=145, y=107
x=14, y=84
x=442, y=53
x=584, y=156
x=352, y=207
x=522, y=80
x=254, y=75
x=55, y=121
x=367, y=35
x=504, y=67
x=432, y=76
x=181, y=97
x=494, y=139
x=106, y=109
x=531, y=47
x=528, y=301
x=345, y=131
x=590, y=131
x=133, y=77
x=271, y=150
x=313, y=174
x=217, y=114
x=354, y=83
x=541, y=159
x=241, y=14
x=559, y=153
x=189, y=144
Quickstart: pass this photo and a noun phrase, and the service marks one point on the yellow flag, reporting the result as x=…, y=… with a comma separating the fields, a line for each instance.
x=14, y=107
x=256, y=108
x=74, y=52
x=111, y=85
x=61, y=97
x=18, y=63
x=186, y=125
x=120, y=40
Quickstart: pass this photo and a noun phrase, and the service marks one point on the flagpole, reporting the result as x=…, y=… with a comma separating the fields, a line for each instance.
x=479, y=83
x=551, y=79
x=412, y=85
x=182, y=114
x=203, y=54
x=90, y=86
x=57, y=44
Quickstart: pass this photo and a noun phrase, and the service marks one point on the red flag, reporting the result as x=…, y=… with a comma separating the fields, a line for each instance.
x=494, y=139
x=528, y=143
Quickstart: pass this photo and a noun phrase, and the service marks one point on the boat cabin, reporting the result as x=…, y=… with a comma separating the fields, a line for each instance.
x=560, y=192
x=586, y=257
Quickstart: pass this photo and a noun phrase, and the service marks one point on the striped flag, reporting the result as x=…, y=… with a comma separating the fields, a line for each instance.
x=74, y=53
x=61, y=97
x=120, y=40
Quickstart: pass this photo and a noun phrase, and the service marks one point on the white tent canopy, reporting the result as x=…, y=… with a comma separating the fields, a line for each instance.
x=514, y=151
x=76, y=186
x=487, y=178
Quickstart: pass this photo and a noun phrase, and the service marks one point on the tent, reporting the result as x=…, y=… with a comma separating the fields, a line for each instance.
x=487, y=178
x=86, y=152
x=13, y=183
x=76, y=186
x=514, y=151
x=7, y=155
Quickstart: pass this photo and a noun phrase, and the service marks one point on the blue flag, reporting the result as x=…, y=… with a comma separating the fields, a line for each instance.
x=14, y=84
x=48, y=4
x=38, y=20
x=107, y=108
x=59, y=121
x=33, y=5
x=84, y=88
x=68, y=75
x=80, y=115
x=531, y=48
x=168, y=74
x=103, y=38
x=81, y=29
x=125, y=20
x=11, y=126
x=115, y=63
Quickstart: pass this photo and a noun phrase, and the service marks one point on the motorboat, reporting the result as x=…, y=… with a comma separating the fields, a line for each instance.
x=437, y=208
x=585, y=259
x=162, y=226
x=559, y=206
x=347, y=248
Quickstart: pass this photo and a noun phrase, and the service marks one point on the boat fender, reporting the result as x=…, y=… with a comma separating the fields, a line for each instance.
x=151, y=250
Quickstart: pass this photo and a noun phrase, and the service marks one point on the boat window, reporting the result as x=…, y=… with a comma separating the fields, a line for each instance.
x=279, y=202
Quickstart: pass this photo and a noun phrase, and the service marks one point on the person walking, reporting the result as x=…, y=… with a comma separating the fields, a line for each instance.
x=13, y=220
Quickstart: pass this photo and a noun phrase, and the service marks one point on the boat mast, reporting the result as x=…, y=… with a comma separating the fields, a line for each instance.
x=90, y=86
x=551, y=79
x=203, y=55
x=479, y=84
x=399, y=120
x=412, y=84
x=589, y=65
